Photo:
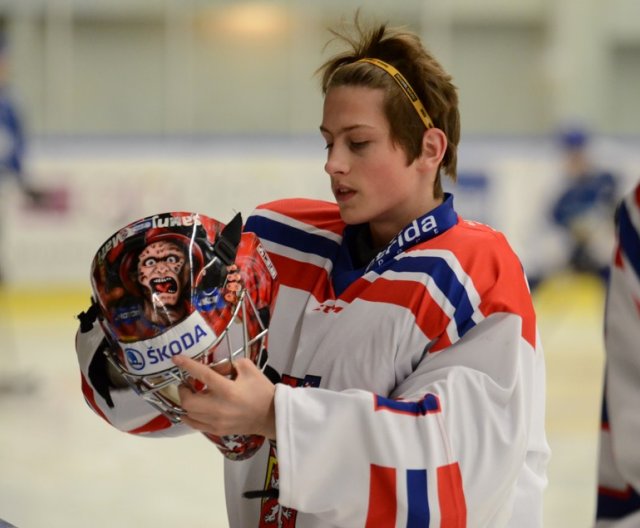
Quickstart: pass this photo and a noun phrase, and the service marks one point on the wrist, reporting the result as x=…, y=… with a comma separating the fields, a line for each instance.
x=269, y=426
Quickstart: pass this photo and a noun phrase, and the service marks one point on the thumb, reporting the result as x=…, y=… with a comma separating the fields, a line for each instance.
x=245, y=368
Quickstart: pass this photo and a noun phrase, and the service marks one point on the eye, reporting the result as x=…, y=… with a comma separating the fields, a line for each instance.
x=328, y=146
x=358, y=145
x=172, y=259
x=150, y=261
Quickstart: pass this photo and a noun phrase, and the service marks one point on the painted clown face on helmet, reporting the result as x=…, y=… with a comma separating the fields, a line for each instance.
x=163, y=273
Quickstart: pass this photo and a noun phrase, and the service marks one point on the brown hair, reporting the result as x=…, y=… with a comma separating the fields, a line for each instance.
x=433, y=86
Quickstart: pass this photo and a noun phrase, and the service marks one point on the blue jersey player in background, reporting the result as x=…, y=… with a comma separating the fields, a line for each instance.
x=586, y=202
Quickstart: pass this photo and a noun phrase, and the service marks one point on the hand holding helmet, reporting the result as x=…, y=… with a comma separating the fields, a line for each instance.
x=224, y=407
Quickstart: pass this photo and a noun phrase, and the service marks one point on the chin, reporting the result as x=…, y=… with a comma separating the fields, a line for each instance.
x=350, y=218
x=351, y=215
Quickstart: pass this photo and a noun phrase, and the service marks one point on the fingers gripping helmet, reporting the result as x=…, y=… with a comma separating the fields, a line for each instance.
x=183, y=283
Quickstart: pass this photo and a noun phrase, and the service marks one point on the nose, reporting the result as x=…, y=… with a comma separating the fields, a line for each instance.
x=336, y=163
x=163, y=265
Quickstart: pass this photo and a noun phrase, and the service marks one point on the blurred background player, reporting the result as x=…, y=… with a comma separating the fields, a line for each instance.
x=12, y=167
x=618, y=502
x=13, y=144
x=584, y=209
x=13, y=135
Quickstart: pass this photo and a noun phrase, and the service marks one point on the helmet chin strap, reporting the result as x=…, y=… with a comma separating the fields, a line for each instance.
x=89, y=317
x=224, y=249
x=226, y=245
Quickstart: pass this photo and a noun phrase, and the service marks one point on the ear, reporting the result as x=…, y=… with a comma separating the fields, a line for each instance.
x=434, y=146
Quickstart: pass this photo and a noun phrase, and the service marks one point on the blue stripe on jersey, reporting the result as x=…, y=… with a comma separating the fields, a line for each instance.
x=274, y=231
x=418, y=508
x=604, y=411
x=629, y=238
x=428, y=404
x=448, y=283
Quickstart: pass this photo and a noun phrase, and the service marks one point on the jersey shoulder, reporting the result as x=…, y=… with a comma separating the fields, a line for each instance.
x=305, y=213
x=299, y=230
x=478, y=259
x=471, y=240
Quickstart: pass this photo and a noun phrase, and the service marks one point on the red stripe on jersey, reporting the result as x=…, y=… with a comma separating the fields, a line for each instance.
x=90, y=397
x=303, y=276
x=159, y=423
x=382, y=498
x=636, y=196
x=453, y=507
x=517, y=304
x=441, y=343
x=616, y=493
x=406, y=294
x=618, y=263
x=320, y=214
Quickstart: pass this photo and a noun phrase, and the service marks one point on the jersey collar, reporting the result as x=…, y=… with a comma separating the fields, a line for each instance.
x=423, y=228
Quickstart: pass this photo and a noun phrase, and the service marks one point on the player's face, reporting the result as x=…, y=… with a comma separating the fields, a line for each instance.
x=370, y=178
x=161, y=271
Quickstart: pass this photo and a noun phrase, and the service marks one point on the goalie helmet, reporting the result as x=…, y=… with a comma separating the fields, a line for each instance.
x=183, y=283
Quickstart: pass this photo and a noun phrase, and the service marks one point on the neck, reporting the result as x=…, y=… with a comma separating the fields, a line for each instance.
x=382, y=232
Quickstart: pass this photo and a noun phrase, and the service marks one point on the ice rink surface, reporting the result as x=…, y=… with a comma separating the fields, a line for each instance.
x=61, y=466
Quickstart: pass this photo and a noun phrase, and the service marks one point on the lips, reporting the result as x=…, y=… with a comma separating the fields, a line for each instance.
x=164, y=285
x=343, y=194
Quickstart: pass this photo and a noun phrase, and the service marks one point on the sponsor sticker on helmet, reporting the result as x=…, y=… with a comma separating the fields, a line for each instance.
x=190, y=337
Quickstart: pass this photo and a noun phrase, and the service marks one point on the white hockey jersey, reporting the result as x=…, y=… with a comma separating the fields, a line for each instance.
x=619, y=459
x=412, y=390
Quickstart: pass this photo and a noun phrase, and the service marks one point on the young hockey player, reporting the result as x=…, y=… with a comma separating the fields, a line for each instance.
x=410, y=376
x=619, y=464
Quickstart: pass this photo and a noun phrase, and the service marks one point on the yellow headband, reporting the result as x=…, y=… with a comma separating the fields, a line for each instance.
x=406, y=88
